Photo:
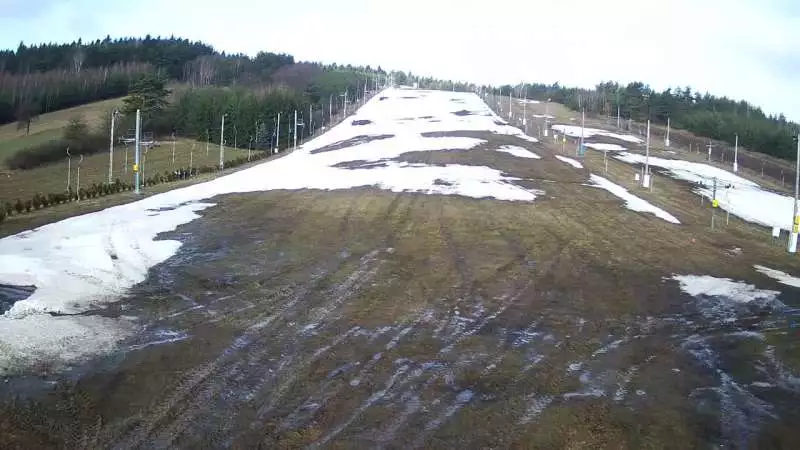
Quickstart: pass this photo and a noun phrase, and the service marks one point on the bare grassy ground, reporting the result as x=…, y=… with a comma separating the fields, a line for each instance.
x=23, y=184
x=49, y=126
x=369, y=319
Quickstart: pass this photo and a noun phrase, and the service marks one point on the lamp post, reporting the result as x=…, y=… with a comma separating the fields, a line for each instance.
x=222, y=144
x=111, y=147
x=795, y=219
x=137, y=150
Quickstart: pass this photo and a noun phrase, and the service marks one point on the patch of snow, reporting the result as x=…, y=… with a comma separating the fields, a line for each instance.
x=608, y=347
x=309, y=327
x=594, y=392
x=543, y=116
x=737, y=291
x=536, y=408
x=574, y=367
x=601, y=146
x=518, y=151
x=575, y=131
x=743, y=198
x=632, y=202
x=748, y=334
x=781, y=277
x=525, y=137
x=53, y=342
x=569, y=161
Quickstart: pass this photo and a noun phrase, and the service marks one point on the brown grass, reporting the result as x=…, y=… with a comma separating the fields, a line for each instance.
x=23, y=184
x=50, y=126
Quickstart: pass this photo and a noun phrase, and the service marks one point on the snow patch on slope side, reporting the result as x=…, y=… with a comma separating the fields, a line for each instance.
x=601, y=146
x=569, y=161
x=575, y=131
x=518, y=151
x=631, y=201
x=737, y=291
x=743, y=198
x=781, y=277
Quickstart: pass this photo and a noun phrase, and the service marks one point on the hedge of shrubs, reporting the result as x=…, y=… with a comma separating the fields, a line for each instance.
x=40, y=201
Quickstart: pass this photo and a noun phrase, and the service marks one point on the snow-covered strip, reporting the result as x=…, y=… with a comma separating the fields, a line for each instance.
x=575, y=131
x=741, y=197
x=86, y=261
x=779, y=276
x=737, y=291
x=570, y=161
x=543, y=116
x=525, y=137
x=605, y=147
x=518, y=151
x=54, y=341
x=631, y=201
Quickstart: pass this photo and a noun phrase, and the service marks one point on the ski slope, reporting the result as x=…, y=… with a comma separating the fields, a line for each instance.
x=90, y=260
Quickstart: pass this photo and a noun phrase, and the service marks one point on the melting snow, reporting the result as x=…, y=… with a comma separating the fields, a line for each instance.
x=631, y=201
x=575, y=131
x=738, y=291
x=781, y=277
x=601, y=147
x=89, y=260
x=518, y=151
x=742, y=197
x=569, y=161
x=55, y=341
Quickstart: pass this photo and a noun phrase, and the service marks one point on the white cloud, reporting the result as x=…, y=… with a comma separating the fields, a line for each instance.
x=745, y=49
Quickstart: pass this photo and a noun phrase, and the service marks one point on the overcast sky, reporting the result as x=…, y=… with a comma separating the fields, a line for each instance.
x=745, y=49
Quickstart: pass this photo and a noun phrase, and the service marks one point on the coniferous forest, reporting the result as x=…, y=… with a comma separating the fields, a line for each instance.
x=250, y=91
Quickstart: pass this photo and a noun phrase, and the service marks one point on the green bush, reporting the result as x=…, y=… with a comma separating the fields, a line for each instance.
x=19, y=207
x=38, y=201
x=28, y=206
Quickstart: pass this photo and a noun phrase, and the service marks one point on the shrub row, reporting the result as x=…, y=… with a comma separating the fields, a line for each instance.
x=39, y=201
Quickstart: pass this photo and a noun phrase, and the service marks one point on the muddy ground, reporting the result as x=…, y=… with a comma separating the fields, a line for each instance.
x=370, y=319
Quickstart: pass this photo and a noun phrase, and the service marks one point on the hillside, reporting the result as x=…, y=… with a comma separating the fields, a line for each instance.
x=422, y=275
x=50, y=126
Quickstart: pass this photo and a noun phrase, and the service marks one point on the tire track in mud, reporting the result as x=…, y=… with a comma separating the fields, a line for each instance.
x=459, y=260
x=399, y=222
x=204, y=382
x=223, y=371
x=324, y=394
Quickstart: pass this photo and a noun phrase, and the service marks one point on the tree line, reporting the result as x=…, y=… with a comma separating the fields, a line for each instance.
x=251, y=112
x=703, y=114
x=38, y=79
